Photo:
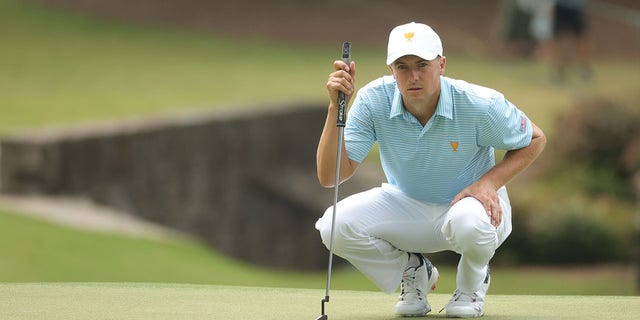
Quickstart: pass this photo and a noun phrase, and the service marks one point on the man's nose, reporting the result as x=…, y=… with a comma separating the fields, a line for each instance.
x=415, y=75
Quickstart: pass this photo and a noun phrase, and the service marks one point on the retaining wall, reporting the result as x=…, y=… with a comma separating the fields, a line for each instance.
x=243, y=181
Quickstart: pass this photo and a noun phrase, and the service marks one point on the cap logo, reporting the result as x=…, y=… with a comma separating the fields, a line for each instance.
x=409, y=35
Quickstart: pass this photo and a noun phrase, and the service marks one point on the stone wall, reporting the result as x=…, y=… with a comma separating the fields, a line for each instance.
x=243, y=181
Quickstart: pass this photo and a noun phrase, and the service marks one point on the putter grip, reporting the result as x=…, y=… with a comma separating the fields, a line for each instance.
x=342, y=98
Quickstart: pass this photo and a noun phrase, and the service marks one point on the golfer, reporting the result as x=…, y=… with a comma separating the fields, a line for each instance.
x=444, y=190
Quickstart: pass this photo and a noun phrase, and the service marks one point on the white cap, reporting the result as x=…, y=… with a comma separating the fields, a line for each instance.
x=413, y=39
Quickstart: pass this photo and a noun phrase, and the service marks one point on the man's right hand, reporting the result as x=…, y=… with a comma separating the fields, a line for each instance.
x=342, y=79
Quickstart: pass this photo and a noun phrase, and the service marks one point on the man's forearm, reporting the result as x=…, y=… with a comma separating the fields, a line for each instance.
x=516, y=161
x=326, y=153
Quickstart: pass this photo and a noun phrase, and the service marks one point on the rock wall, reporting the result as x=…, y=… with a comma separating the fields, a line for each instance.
x=243, y=181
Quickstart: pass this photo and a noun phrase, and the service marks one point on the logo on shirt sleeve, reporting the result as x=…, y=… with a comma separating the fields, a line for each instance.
x=523, y=123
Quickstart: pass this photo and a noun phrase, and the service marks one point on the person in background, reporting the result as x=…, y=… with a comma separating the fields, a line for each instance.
x=570, y=41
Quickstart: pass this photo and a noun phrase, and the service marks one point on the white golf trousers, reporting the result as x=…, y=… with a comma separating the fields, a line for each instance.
x=376, y=228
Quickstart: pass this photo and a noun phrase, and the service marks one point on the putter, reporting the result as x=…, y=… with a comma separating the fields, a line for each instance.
x=340, y=123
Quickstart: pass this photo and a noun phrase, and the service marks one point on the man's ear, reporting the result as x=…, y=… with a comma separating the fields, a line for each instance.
x=391, y=69
x=443, y=64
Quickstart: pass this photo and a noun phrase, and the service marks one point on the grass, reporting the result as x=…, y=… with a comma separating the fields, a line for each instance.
x=53, y=253
x=37, y=251
x=163, y=301
x=61, y=68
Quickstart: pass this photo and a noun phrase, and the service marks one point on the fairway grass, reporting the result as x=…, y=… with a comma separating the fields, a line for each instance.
x=164, y=301
x=61, y=68
x=38, y=251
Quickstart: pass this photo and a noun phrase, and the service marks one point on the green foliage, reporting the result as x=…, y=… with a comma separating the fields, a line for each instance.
x=581, y=207
x=597, y=130
x=596, y=142
x=568, y=237
x=561, y=229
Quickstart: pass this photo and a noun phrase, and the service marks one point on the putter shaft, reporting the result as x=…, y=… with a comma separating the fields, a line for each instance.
x=341, y=122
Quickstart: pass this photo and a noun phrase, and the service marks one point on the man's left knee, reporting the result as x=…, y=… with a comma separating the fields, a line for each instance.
x=469, y=227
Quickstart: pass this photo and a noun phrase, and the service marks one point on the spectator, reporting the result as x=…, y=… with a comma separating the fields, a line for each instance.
x=570, y=39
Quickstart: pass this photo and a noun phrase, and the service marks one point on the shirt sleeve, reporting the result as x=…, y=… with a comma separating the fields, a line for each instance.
x=505, y=127
x=359, y=134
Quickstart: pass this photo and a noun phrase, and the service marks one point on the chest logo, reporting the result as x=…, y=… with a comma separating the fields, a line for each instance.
x=454, y=146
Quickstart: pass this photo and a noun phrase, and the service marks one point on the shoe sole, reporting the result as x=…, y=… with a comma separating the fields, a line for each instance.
x=464, y=315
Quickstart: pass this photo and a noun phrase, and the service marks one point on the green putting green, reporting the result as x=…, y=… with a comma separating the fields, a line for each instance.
x=168, y=301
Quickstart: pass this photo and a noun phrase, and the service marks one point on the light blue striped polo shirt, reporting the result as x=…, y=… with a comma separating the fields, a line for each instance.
x=453, y=150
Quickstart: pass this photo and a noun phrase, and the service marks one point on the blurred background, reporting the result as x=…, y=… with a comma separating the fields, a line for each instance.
x=173, y=141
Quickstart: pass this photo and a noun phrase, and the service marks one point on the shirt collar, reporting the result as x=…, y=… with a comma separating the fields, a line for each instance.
x=445, y=103
x=397, y=107
x=444, y=107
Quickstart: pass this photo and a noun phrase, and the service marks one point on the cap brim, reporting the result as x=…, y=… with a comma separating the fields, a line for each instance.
x=427, y=55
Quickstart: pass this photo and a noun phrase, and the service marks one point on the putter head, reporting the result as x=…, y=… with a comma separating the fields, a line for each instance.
x=322, y=317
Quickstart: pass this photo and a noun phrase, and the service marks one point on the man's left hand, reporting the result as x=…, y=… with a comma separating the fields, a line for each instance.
x=485, y=193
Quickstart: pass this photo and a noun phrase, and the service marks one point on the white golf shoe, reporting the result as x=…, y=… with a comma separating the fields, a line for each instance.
x=417, y=282
x=468, y=305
